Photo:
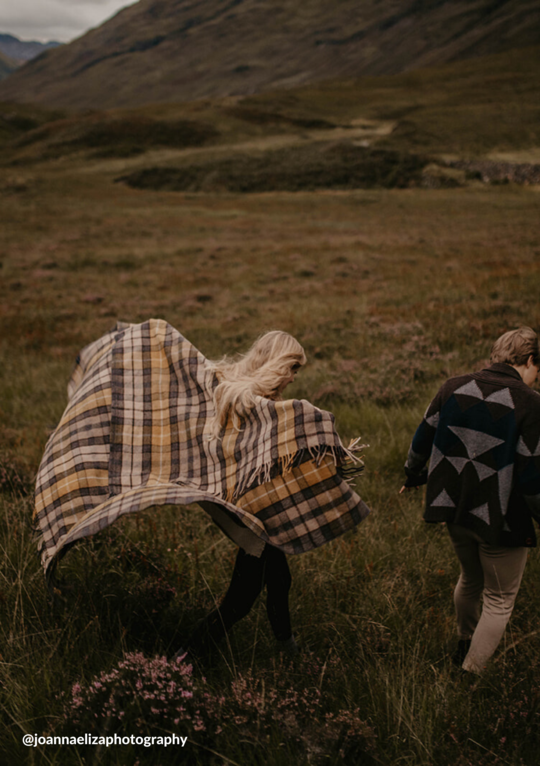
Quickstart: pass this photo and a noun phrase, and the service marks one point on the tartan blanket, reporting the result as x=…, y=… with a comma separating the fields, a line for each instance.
x=137, y=434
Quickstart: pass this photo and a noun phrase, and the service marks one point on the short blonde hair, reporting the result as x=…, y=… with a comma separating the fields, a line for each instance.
x=515, y=347
x=259, y=372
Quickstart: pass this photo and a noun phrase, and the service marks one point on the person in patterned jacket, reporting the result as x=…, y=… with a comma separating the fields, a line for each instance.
x=481, y=438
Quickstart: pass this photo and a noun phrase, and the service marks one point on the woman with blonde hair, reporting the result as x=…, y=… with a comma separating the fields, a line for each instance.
x=181, y=430
x=265, y=370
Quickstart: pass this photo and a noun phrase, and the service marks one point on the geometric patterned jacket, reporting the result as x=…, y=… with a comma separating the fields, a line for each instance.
x=481, y=436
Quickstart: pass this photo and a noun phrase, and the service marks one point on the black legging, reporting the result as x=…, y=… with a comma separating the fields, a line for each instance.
x=249, y=577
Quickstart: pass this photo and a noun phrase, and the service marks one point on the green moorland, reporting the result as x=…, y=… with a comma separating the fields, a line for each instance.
x=391, y=290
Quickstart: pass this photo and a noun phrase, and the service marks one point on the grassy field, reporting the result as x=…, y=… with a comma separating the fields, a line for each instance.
x=390, y=291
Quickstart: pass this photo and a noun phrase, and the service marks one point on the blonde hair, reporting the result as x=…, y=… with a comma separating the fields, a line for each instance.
x=515, y=347
x=260, y=372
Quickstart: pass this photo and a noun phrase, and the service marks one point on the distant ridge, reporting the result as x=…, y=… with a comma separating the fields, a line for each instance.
x=180, y=50
x=23, y=50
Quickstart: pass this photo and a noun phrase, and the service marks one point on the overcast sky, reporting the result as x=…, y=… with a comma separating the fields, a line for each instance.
x=61, y=20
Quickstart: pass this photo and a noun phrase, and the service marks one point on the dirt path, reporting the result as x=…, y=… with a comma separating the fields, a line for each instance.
x=362, y=132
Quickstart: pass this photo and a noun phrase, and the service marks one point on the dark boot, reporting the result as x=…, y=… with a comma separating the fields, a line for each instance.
x=464, y=644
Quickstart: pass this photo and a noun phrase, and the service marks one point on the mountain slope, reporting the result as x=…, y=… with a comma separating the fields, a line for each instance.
x=177, y=50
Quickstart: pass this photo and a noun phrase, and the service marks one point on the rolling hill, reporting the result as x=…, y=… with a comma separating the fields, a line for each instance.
x=180, y=50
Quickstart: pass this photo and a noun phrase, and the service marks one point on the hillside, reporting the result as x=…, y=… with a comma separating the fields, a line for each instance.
x=480, y=108
x=179, y=50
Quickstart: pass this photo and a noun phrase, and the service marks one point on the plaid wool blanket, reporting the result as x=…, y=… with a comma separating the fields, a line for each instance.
x=137, y=433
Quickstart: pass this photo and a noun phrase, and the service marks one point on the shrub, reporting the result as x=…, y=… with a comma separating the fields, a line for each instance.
x=144, y=695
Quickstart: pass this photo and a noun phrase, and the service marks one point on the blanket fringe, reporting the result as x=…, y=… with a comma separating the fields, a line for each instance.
x=350, y=466
x=353, y=465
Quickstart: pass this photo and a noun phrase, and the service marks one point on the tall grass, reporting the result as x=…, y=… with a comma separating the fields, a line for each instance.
x=391, y=292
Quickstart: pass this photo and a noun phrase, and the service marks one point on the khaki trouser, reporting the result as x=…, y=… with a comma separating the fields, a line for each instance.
x=493, y=573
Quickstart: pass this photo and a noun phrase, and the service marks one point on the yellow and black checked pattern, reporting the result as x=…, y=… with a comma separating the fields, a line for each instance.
x=137, y=433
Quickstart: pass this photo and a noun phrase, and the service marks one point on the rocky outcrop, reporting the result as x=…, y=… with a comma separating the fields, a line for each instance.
x=491, y=171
